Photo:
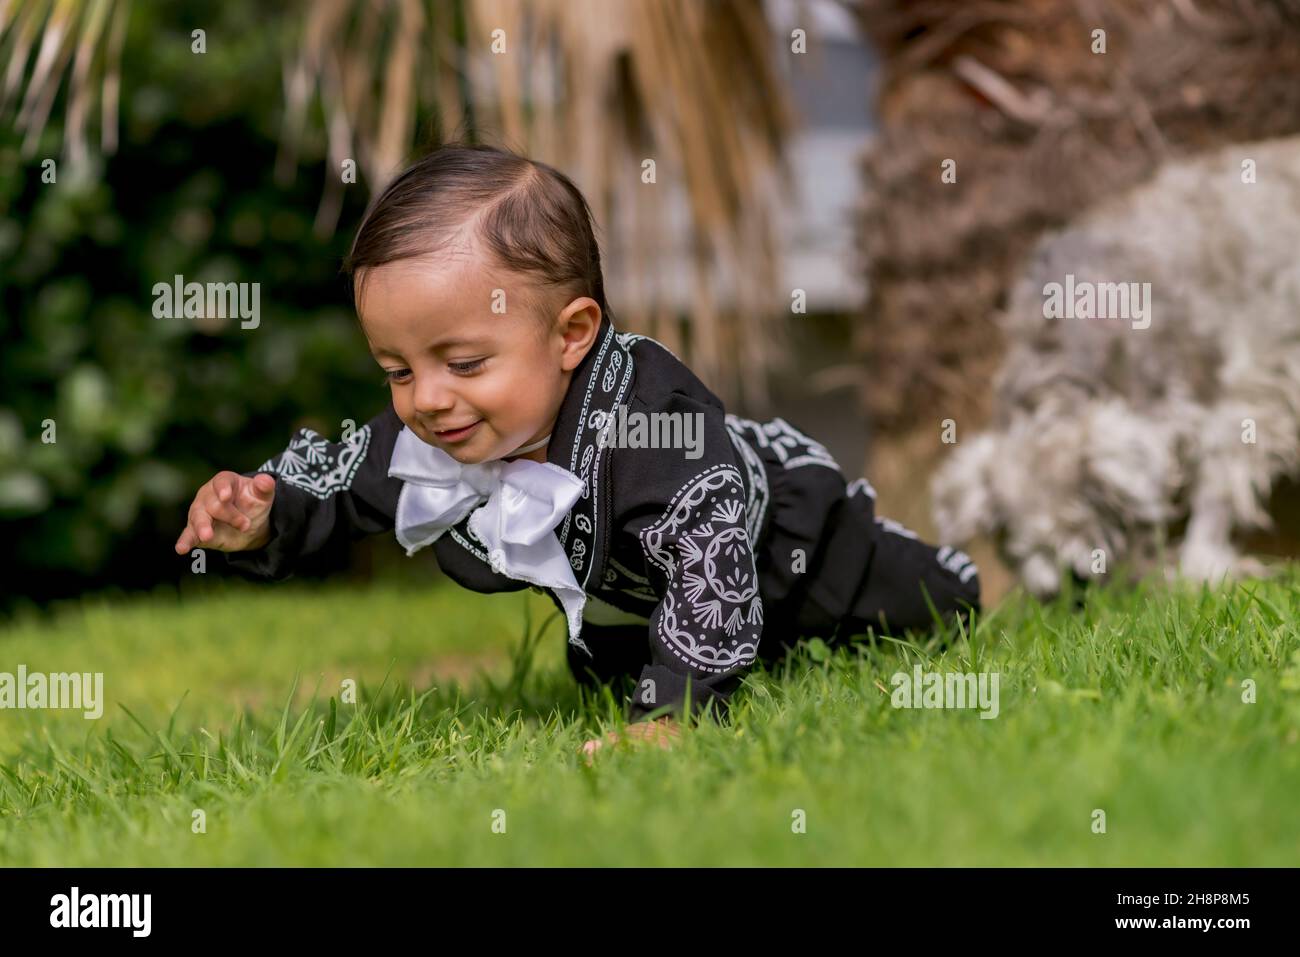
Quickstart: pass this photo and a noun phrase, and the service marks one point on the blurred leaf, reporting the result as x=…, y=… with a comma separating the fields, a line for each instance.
x=22, y=493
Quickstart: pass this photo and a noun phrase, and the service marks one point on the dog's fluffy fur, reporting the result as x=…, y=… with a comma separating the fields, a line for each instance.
x=1106, y=437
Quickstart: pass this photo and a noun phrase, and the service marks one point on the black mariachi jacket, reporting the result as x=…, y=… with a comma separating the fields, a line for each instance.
x=723, y=550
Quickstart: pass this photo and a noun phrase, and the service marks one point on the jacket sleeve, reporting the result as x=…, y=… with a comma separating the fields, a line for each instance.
x=705, y=629
x=326, y=495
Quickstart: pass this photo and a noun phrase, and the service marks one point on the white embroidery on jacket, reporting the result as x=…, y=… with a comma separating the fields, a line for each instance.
x=860, y=485
x=310, y=464
x=612, y=367
x=793, y=449
x=628, y=339
x=711, y=614
x=469, y=546
x=758, y=489
x=957, y=562
x=893, y=527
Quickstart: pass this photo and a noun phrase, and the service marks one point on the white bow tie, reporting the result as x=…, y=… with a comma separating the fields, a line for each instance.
x=515, y=508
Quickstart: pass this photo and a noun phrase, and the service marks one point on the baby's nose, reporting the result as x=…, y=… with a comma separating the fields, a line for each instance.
x=432, y=396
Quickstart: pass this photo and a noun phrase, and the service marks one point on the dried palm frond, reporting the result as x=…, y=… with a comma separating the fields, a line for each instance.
x=38, y=40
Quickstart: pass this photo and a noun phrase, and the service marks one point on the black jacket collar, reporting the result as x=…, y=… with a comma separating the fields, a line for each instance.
x=601, y=382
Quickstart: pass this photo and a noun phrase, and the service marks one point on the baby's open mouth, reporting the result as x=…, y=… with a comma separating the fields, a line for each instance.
x=456, y=435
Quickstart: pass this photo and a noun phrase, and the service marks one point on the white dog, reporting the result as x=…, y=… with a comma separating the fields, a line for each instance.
x=1150, y=393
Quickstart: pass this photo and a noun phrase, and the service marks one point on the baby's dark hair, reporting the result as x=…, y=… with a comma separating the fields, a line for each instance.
x=529, y=217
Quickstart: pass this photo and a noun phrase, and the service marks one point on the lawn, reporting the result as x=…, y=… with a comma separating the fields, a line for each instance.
x=461, y=746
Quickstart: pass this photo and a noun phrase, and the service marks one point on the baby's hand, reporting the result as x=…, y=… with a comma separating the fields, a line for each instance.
x=230, y=513
x=661, y=731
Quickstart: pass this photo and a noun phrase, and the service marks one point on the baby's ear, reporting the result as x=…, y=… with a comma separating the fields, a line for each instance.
x=963, y=494
x=579, y=323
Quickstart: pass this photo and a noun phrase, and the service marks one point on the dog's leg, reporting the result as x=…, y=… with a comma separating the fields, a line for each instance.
x=1207, y=554
x=1226, y=494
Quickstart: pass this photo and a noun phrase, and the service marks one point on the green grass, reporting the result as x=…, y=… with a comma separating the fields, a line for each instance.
x=226, y=701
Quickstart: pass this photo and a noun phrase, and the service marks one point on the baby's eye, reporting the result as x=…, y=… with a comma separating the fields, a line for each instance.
x=393, y=375
x=465, y=368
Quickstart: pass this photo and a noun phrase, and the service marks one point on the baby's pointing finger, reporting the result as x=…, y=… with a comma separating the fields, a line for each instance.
x=198, y=521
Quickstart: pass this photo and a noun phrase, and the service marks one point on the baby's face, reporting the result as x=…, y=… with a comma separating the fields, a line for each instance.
x=475, y=383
